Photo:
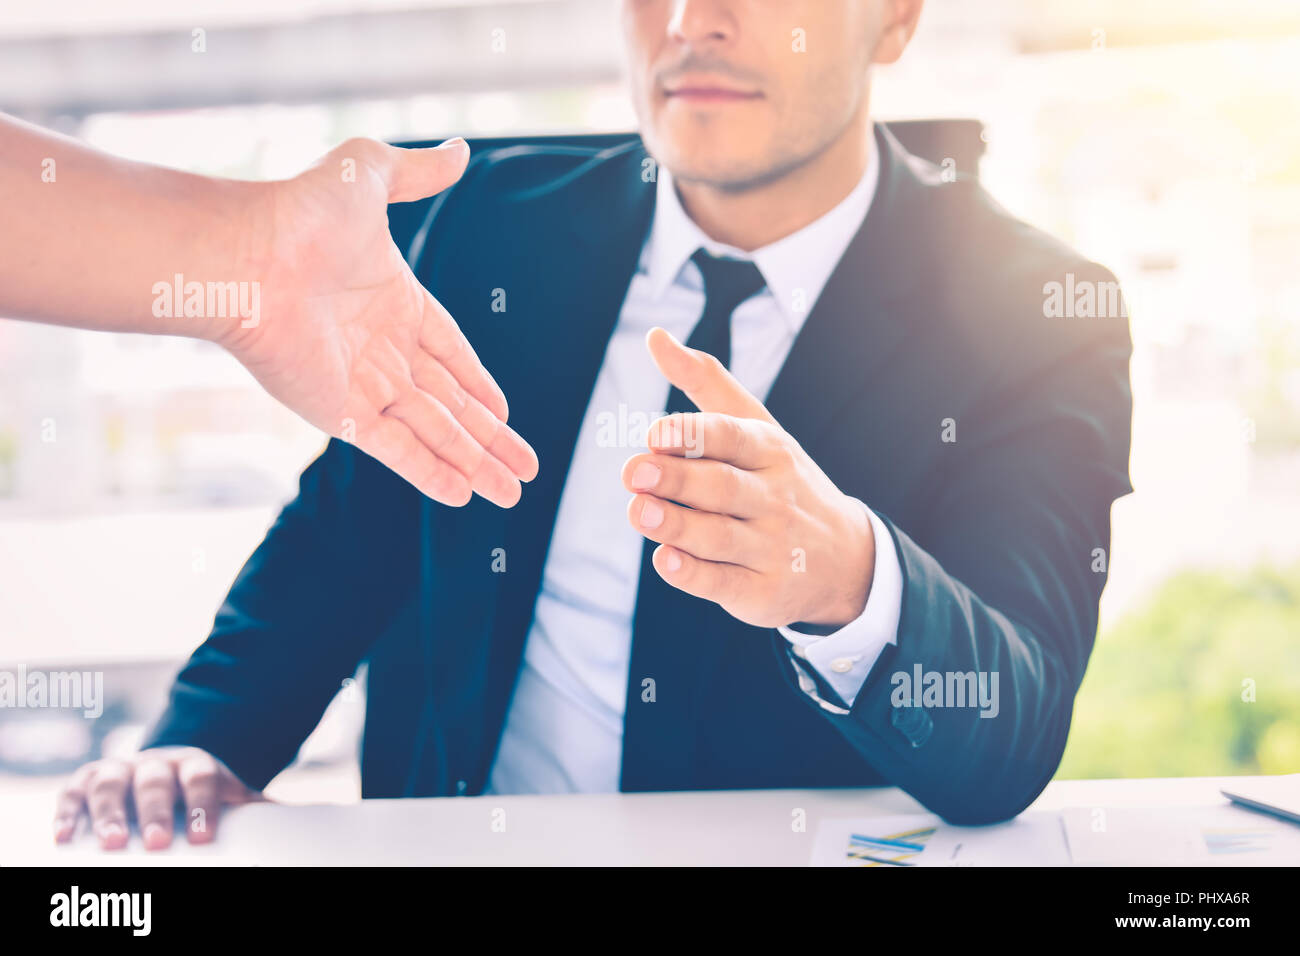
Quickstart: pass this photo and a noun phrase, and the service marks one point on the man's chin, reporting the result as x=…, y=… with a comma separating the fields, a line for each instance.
x=727, y=174
x=732, y=160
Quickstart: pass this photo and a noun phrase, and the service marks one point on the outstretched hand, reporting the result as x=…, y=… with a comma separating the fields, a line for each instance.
x=349, y=339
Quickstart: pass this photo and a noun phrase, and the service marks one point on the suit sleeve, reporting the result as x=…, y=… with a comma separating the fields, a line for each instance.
x=299, y=618
x=1003, y=579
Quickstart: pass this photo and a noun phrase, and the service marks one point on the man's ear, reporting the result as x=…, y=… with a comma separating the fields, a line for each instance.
x=899, y=23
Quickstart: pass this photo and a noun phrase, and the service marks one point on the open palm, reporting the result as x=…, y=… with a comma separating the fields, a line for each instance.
x=348, y=338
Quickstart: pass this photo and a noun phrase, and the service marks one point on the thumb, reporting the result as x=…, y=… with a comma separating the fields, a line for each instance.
x=703, y=379
x=412, y=174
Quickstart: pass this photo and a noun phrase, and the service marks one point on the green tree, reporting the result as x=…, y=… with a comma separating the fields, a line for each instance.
x=1204, y=680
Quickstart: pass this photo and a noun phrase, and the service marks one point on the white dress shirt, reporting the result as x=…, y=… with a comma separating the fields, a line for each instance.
x=564, y=728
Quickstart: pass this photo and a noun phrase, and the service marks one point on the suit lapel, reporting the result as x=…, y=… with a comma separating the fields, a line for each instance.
x=852, y=330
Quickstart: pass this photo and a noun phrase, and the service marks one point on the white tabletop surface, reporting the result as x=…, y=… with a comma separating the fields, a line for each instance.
x=710, y=828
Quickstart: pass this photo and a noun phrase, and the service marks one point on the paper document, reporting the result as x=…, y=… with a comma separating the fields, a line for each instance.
x=1224, y=835
x=1031, y=839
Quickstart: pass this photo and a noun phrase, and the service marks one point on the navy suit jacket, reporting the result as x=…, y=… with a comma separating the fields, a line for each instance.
x=931, y=327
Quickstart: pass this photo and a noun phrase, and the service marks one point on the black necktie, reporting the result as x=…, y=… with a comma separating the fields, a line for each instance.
x=669, y=625
x=727, y=283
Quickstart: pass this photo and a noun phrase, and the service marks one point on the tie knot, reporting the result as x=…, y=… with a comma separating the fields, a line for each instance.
x=727, y=282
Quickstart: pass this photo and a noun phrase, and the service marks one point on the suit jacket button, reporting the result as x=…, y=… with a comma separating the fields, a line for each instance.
x=914, y=723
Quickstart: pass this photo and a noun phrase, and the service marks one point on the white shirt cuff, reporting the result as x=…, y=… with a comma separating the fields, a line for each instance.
x=845, y=657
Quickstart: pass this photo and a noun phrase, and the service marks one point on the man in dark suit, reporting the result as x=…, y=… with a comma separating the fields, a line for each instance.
x=873, y=556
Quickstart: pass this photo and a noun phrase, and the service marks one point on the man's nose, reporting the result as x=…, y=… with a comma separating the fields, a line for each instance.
x=702, y=23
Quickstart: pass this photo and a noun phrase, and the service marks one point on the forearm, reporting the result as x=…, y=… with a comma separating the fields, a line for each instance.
x=89, y=236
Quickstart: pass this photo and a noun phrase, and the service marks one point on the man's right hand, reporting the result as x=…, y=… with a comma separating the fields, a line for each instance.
x=151, y=783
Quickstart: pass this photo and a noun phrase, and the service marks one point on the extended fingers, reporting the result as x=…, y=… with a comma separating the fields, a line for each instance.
x=706, y=535
x=495, y=436
x=702, y=378
x=444, y=436
x=699, y=483
x=744, y=442
x=722, y=583
x=393, y=444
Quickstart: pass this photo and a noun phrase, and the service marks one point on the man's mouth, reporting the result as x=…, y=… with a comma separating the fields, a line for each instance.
x=702, y=91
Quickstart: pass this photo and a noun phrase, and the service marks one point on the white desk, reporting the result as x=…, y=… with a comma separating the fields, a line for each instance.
x=719, y=827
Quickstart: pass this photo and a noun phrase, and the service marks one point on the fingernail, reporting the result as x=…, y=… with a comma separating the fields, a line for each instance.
x=155, y=835
x=646, y=476
x=456, y=142
x=652, y=516
x=673, y=561
x=111, y=833
x=62, y=830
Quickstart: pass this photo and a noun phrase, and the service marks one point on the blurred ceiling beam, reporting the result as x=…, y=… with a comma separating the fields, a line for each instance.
x=62, y=72
x=346, y=56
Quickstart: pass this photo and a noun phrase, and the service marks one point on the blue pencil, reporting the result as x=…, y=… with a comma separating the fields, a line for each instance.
x=880, y=841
